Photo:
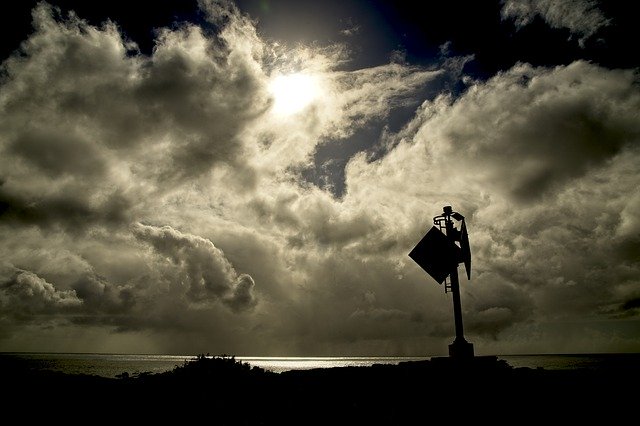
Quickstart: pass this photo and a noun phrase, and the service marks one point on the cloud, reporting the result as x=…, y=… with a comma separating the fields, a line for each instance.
x=350, y=100
x=101, y=144
x=73, y=211
x=348, y=32
x=24, y=294
x=351, y=28
x=45, y=152
x=96, y=135
x=86, y=118
x=202, y=267
x=581, y=17
x=558, y=123
x=495, y=304
x=373, y=92
x=538, y=160
x=90, y=123
x=631, y=304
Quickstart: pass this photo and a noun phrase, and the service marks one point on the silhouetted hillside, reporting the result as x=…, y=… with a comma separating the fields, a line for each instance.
x=222, y=390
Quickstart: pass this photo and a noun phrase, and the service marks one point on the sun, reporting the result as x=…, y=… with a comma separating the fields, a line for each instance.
x=293, y=92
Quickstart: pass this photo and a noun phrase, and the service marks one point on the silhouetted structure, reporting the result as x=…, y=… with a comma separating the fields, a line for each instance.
x=439, y=255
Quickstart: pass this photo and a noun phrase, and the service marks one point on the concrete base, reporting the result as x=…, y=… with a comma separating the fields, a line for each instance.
x=461, y=349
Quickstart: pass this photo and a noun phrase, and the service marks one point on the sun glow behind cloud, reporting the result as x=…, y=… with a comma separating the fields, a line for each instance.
x=293, y=92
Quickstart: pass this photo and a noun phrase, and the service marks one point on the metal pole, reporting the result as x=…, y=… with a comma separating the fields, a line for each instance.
x=460, y=349
x=455, y=286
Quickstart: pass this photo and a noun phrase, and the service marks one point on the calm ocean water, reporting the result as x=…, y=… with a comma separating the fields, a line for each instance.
x=109, y=365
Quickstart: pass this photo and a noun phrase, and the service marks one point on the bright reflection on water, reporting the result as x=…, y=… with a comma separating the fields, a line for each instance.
x=280, y=364
x=110, y=365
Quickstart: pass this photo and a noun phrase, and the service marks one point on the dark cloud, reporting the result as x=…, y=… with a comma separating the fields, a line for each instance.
x=58, y=154
x=23, y=295
x=631, y=304
x=207, y=100
x=494, y=305
x=70, y=211
x=99, y=295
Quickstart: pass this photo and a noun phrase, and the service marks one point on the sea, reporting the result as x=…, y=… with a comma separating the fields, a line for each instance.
x=112, y=365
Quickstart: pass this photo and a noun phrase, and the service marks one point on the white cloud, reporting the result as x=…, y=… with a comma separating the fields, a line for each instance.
x=351, y=31
x=89, y=126
x=581, y=17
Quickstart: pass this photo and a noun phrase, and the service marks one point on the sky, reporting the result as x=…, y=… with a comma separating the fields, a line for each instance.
x=248, y=178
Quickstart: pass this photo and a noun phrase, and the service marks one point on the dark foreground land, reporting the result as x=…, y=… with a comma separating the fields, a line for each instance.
x=221, y=390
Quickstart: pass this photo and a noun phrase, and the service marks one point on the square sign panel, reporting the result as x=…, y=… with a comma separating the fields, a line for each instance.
x=436, y=254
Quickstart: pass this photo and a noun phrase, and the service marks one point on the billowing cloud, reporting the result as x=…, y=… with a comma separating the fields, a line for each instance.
x=90, y=124
x=202, y=267
x=581, y=17
x=156, y=200
x=557, y=123
x=23, y=293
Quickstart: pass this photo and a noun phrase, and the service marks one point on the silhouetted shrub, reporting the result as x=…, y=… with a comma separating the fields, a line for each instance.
x=214, y=368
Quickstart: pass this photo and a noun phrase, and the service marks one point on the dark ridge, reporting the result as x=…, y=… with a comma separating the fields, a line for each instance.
x=222, y=390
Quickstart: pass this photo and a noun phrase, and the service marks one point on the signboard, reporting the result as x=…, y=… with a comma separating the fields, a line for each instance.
x=436, y=254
